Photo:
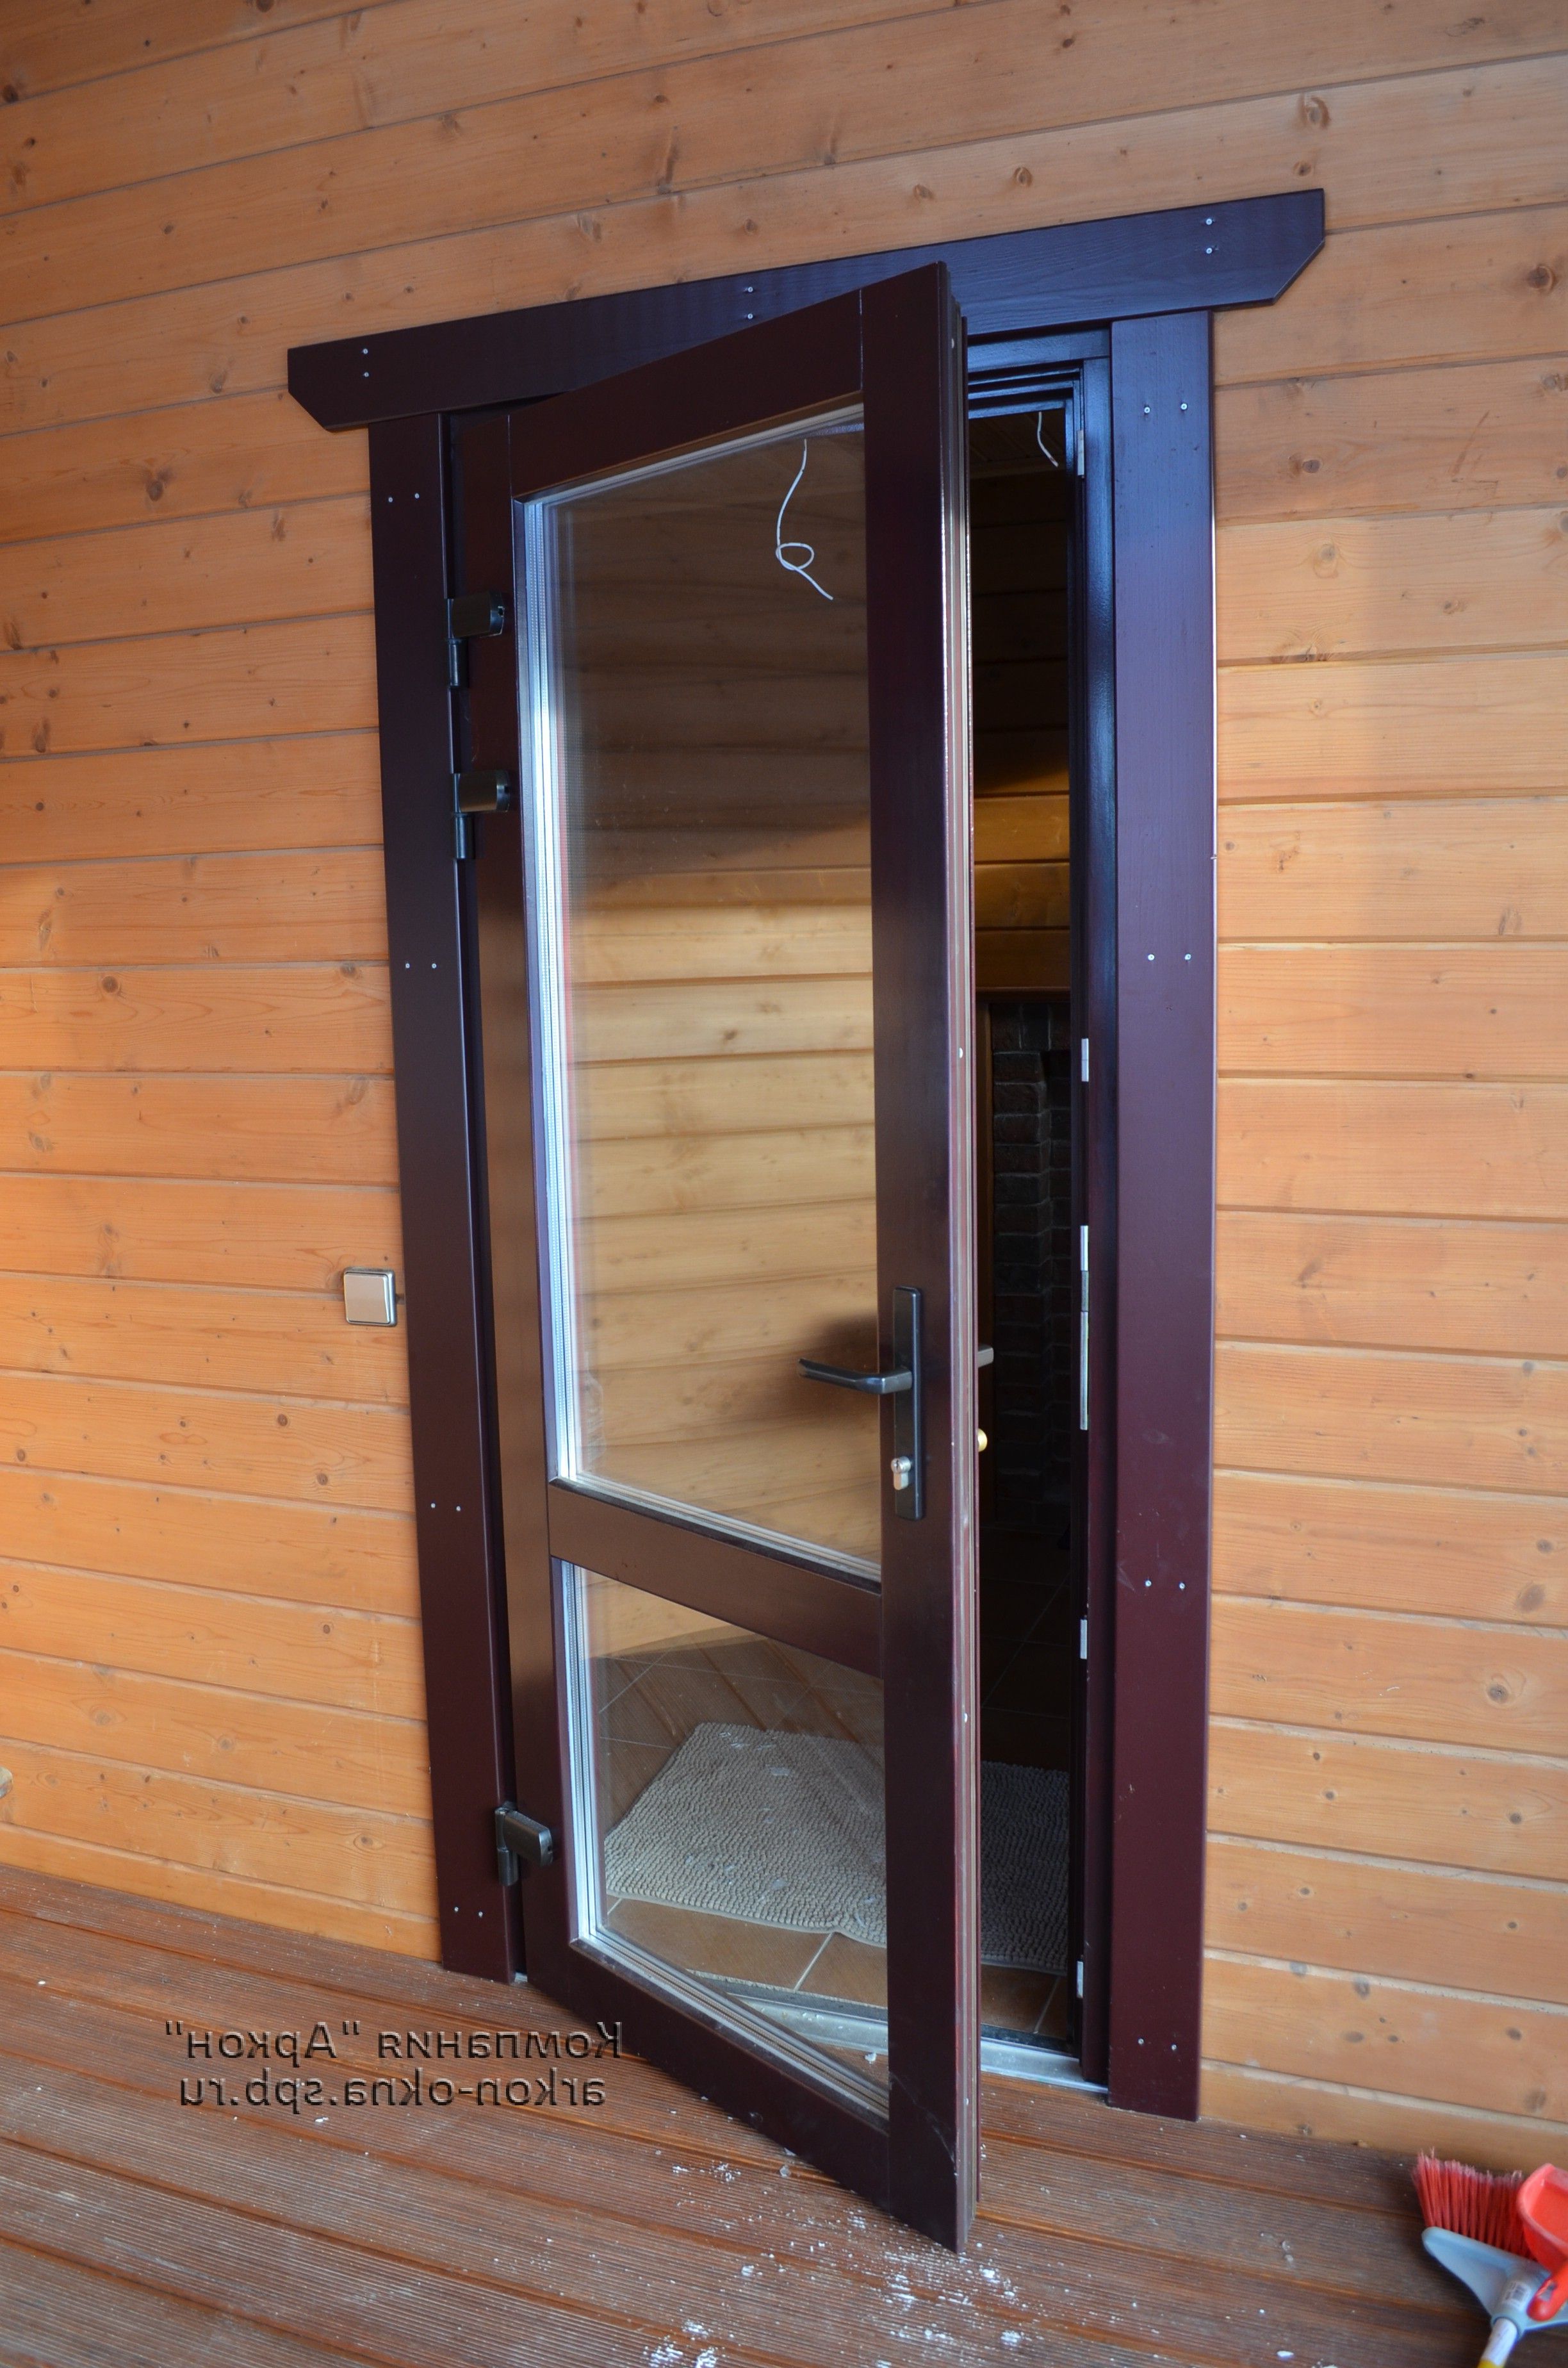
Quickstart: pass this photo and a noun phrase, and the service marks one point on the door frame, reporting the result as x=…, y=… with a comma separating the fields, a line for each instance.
x=1151, y=283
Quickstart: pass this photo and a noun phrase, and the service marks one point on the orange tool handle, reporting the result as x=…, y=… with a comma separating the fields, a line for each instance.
x=1549, y=2299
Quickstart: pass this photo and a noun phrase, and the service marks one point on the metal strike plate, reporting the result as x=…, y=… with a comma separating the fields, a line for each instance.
x=370, y=1295
x=520, y=1840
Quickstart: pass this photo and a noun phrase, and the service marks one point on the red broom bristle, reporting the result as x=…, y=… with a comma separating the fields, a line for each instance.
x=1479, y=2203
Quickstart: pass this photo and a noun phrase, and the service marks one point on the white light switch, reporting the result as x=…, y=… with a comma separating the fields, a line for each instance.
x=370, y=1295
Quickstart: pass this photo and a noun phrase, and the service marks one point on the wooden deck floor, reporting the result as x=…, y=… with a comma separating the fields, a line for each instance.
x=646, y=2232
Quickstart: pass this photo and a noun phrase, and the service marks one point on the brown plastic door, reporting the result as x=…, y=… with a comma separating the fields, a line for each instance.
x=725, y=979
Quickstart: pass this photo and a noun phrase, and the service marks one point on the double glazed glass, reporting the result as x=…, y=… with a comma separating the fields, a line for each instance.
x=700, y=845
x=729, y=1821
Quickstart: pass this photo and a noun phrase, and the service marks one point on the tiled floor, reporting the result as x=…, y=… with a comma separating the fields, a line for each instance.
x=651, y=1690
x=649, y=1697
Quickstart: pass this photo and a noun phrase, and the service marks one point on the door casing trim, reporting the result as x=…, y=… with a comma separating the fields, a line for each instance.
x=1152, y=282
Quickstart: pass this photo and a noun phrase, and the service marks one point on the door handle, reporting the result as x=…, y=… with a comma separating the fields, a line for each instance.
x=880, y=1386
x=902, y=1383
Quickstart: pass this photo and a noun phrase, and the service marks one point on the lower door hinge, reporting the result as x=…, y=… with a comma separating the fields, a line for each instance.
x=473, y=794
x=520, y=1840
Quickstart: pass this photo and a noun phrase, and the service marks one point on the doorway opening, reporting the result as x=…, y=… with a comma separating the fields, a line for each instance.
x=1023, y=526
x=732, y=1783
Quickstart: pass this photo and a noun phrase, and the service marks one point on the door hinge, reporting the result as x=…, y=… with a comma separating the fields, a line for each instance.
x=520, y=1840
x=1080, y=454
x=1083, y=1327
x=1083, y=1638
x=1080, y=1974
x=477, y=793
x=471, y=617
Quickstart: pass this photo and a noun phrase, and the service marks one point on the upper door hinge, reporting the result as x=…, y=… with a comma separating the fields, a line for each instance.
x=471, y=617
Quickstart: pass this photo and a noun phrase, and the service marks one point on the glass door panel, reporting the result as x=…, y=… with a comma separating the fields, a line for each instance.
x=696, y=655
x=725, y=988
x=730, y=1823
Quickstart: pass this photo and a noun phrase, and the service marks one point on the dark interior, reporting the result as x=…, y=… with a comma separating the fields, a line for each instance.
x=1023, y=505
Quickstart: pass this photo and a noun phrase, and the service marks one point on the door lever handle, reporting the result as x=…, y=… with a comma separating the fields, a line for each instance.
x=904, y=1383
x=879, y=1386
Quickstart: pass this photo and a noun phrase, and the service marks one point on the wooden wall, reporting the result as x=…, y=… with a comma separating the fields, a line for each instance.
x=210, y=1685
x=1021, y=501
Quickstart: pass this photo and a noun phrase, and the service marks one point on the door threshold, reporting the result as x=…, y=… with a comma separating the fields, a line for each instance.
x=840, y=2025
x=1016, y=2059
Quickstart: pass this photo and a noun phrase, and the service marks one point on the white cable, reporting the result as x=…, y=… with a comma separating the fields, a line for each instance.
x=1039, y=439
x=796, y=567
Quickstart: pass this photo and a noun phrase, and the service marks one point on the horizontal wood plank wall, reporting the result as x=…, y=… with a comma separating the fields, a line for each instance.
x=209, y=1682
x=1388, y=1902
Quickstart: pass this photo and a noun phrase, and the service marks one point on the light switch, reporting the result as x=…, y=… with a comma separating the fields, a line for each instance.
x=370, y=1295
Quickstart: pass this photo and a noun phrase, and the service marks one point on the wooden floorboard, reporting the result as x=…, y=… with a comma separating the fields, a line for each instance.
x=57, y=2314
x=651, y=2230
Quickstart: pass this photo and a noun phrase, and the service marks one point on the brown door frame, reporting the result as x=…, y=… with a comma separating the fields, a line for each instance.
x=1152, y=281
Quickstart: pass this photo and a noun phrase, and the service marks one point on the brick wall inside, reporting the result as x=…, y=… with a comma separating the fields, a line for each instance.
x=1034, y=1302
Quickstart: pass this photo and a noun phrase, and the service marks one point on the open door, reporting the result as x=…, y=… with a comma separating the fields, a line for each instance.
x=718, y=741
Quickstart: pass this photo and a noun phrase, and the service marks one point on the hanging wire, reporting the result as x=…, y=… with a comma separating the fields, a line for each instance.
x=1039, y=439
x=796, y=567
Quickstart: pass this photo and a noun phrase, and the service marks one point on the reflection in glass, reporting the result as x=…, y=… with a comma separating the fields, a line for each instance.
x=697, y=641
x=729, y=1826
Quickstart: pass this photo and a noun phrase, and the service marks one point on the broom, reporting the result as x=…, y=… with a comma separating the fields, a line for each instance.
x=1474, y=2228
